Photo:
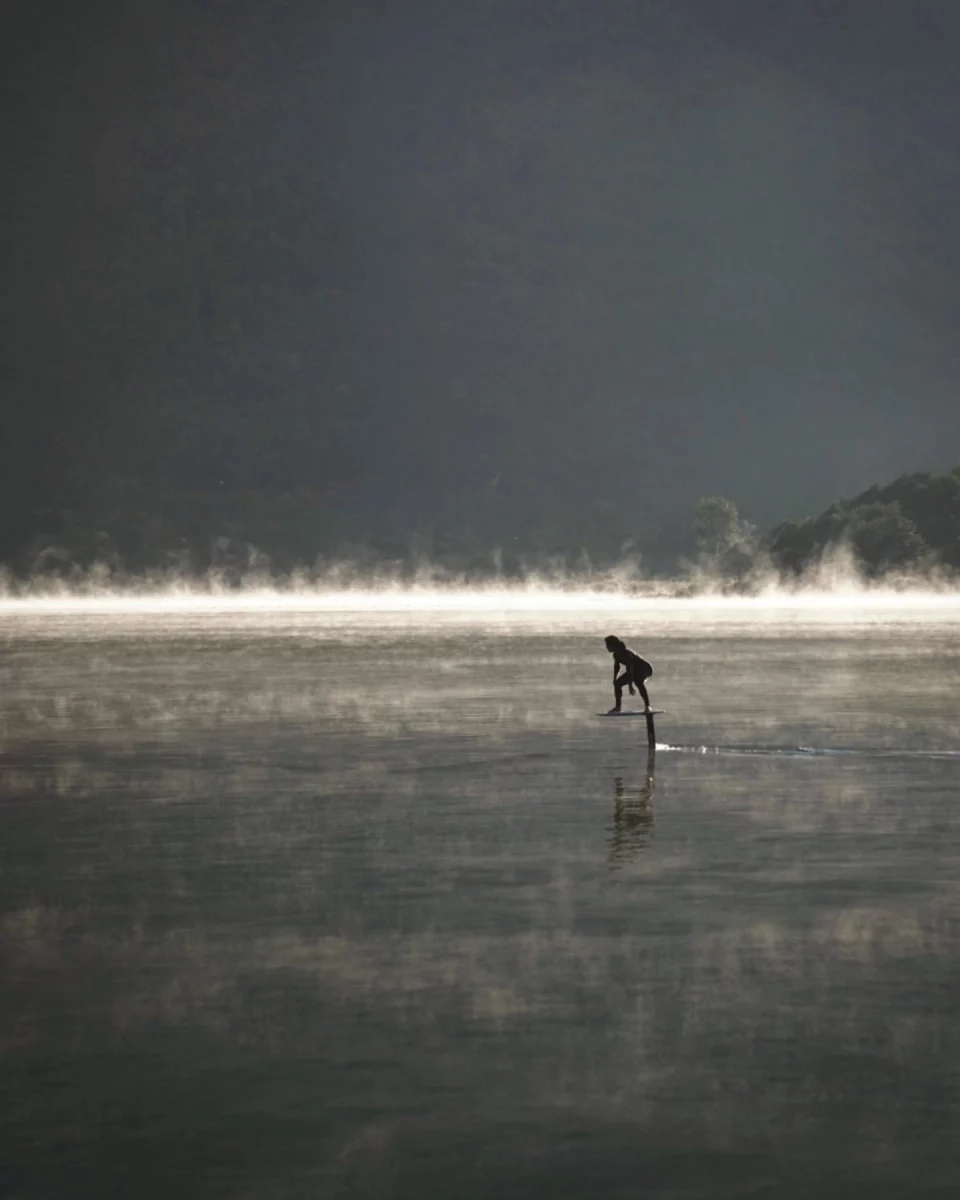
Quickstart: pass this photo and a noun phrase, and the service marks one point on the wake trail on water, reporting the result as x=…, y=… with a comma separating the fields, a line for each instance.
x=813, y=752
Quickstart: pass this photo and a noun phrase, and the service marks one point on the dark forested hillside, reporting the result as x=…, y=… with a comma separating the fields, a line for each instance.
x=420, y=279
x=224, y=240
x=912, y=522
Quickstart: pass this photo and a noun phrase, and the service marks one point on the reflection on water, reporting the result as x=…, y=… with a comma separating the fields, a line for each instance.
x=264, y=934
x=633, y=818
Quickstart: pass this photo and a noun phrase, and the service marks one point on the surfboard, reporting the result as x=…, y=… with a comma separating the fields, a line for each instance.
x=633, y=712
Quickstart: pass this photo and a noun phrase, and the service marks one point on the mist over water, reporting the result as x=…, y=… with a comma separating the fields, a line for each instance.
x=834, y=589
x=350, y=893
x=835, y=581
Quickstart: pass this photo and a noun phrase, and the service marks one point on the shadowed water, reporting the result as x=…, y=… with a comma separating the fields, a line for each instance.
x=369, y=903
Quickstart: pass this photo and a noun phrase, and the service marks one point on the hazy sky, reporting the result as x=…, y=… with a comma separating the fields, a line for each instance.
x=633, y=249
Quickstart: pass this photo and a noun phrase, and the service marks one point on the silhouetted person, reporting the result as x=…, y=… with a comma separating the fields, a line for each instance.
x=635, y=671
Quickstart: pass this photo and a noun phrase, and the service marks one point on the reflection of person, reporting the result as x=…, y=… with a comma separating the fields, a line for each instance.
x=633, y=819
x=635, y=671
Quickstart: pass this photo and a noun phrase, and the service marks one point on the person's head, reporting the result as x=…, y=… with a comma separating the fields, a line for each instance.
x=613, y=643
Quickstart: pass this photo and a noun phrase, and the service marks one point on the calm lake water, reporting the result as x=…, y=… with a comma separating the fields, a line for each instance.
x=369, y=902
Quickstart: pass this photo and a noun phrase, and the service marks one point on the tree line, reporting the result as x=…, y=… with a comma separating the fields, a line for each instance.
x=912, y=524
x=136, y=525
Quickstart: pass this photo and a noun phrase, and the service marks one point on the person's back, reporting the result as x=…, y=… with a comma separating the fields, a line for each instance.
x=637, y=664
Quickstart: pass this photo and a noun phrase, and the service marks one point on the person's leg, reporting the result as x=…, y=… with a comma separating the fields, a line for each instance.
x=618, y=690
x=638, y=683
